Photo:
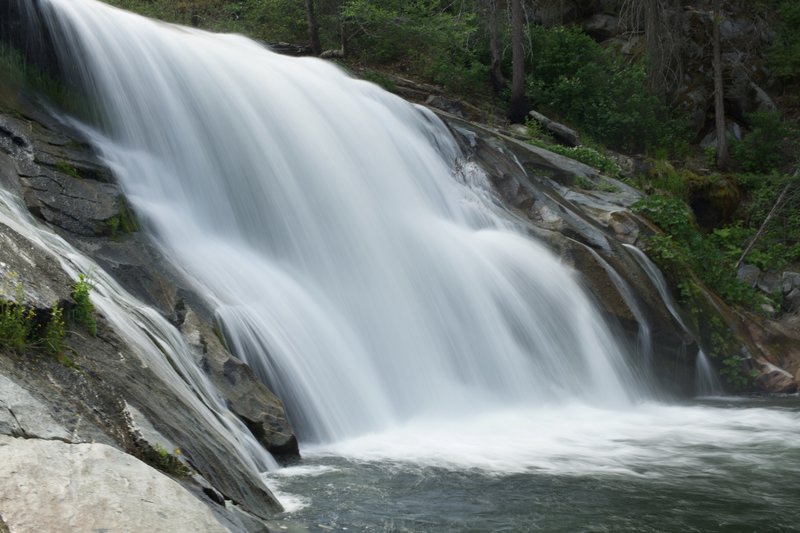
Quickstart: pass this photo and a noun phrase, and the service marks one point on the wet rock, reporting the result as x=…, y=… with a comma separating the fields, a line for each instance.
x=22, y=415
x=770, y=283
x=446, y=104
x=790, y=281
x=56, y=486
x=748, y=274
x=260, y=410
x=776, y=380
x=601, y=26
x=792, y=301
x=625, y=226
x=62, y=181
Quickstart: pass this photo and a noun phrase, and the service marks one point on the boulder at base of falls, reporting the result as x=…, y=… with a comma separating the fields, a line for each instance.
x=776, y=380
x=260, y=410
x=56, y=486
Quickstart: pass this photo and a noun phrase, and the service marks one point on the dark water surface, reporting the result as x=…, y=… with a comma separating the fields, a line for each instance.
x=736, y=472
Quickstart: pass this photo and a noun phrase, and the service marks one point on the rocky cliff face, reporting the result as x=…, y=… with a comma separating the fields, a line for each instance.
x=107, y=401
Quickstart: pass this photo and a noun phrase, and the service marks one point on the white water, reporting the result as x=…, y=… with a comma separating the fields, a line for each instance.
x=356, y=272
x=707, y=382
x=399, y=318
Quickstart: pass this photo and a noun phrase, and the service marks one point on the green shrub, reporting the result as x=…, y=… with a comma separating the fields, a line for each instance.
x=605, y=164
x=16, y=320
x=783, y=56
x=590, y=88
x=779, y=245
x=769, y=146
x=167, y=462
x=434, y=39
x=83, y=311
x=683, y=247
x=55, y=331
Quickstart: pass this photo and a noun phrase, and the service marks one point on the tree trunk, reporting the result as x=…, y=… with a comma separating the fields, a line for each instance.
x=518, y=107
x=663, y=37
x=719, y=94
x=313, y=28
x=498, y=80
x=775, y=208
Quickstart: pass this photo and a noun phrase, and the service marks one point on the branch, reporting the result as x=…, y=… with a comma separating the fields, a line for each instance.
x=775, y=208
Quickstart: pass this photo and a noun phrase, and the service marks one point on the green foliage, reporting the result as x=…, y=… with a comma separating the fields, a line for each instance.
x=19, y=325
x=55, y=331
x=66, y=168
x=592, y=89
x=671, y=214
x=166, y=462
x=779, y=245
x=17, y=74
x=16, y=321
x=605, y=164
x=83, y=312
x=666, y=178
x=378, y=78
x=783, y=56
x=124, y=223
x=770, y=145
x=430, y=37
x=683, y=247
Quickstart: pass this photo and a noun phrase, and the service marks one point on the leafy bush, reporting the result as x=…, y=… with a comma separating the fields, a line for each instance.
x=587, y=86
x=769, y=146
x=684, y=247
x=585, y=154
x=55, y=331
x=83, y=312
x=783, y=56
x=433, y=38
x=16, y=321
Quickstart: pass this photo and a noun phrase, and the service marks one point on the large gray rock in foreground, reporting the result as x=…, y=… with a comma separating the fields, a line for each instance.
x=55, y=486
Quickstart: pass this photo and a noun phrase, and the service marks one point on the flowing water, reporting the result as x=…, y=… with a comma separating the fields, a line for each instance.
x=443, y=371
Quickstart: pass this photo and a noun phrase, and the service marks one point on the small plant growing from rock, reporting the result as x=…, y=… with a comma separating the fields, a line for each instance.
x=83, y=312
x=54, y=331
x=16, y=321
x=168, y=463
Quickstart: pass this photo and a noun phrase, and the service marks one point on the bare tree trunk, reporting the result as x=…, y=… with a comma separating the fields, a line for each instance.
x=663, y=38
x=519, y=105
x=498, y=80
x=313, y=28
x=719, y=92
x=775, y=209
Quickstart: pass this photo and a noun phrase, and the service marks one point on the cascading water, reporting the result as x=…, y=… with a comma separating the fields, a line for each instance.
x=364, y=272
x=707, y=382
x=352, y=267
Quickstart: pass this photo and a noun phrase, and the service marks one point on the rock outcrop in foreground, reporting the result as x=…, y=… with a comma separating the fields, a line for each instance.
x=91, y=437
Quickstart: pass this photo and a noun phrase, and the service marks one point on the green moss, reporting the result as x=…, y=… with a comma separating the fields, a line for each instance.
x=66, y=168
x=124, y=223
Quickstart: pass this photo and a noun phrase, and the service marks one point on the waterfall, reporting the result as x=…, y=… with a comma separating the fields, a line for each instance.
x=708, y=383
x=356, y=263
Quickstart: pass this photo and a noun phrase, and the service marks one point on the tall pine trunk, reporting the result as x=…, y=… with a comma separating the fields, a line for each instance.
x=498, y=80
x=518, y=107
x=719, y=91
x=313, y=28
